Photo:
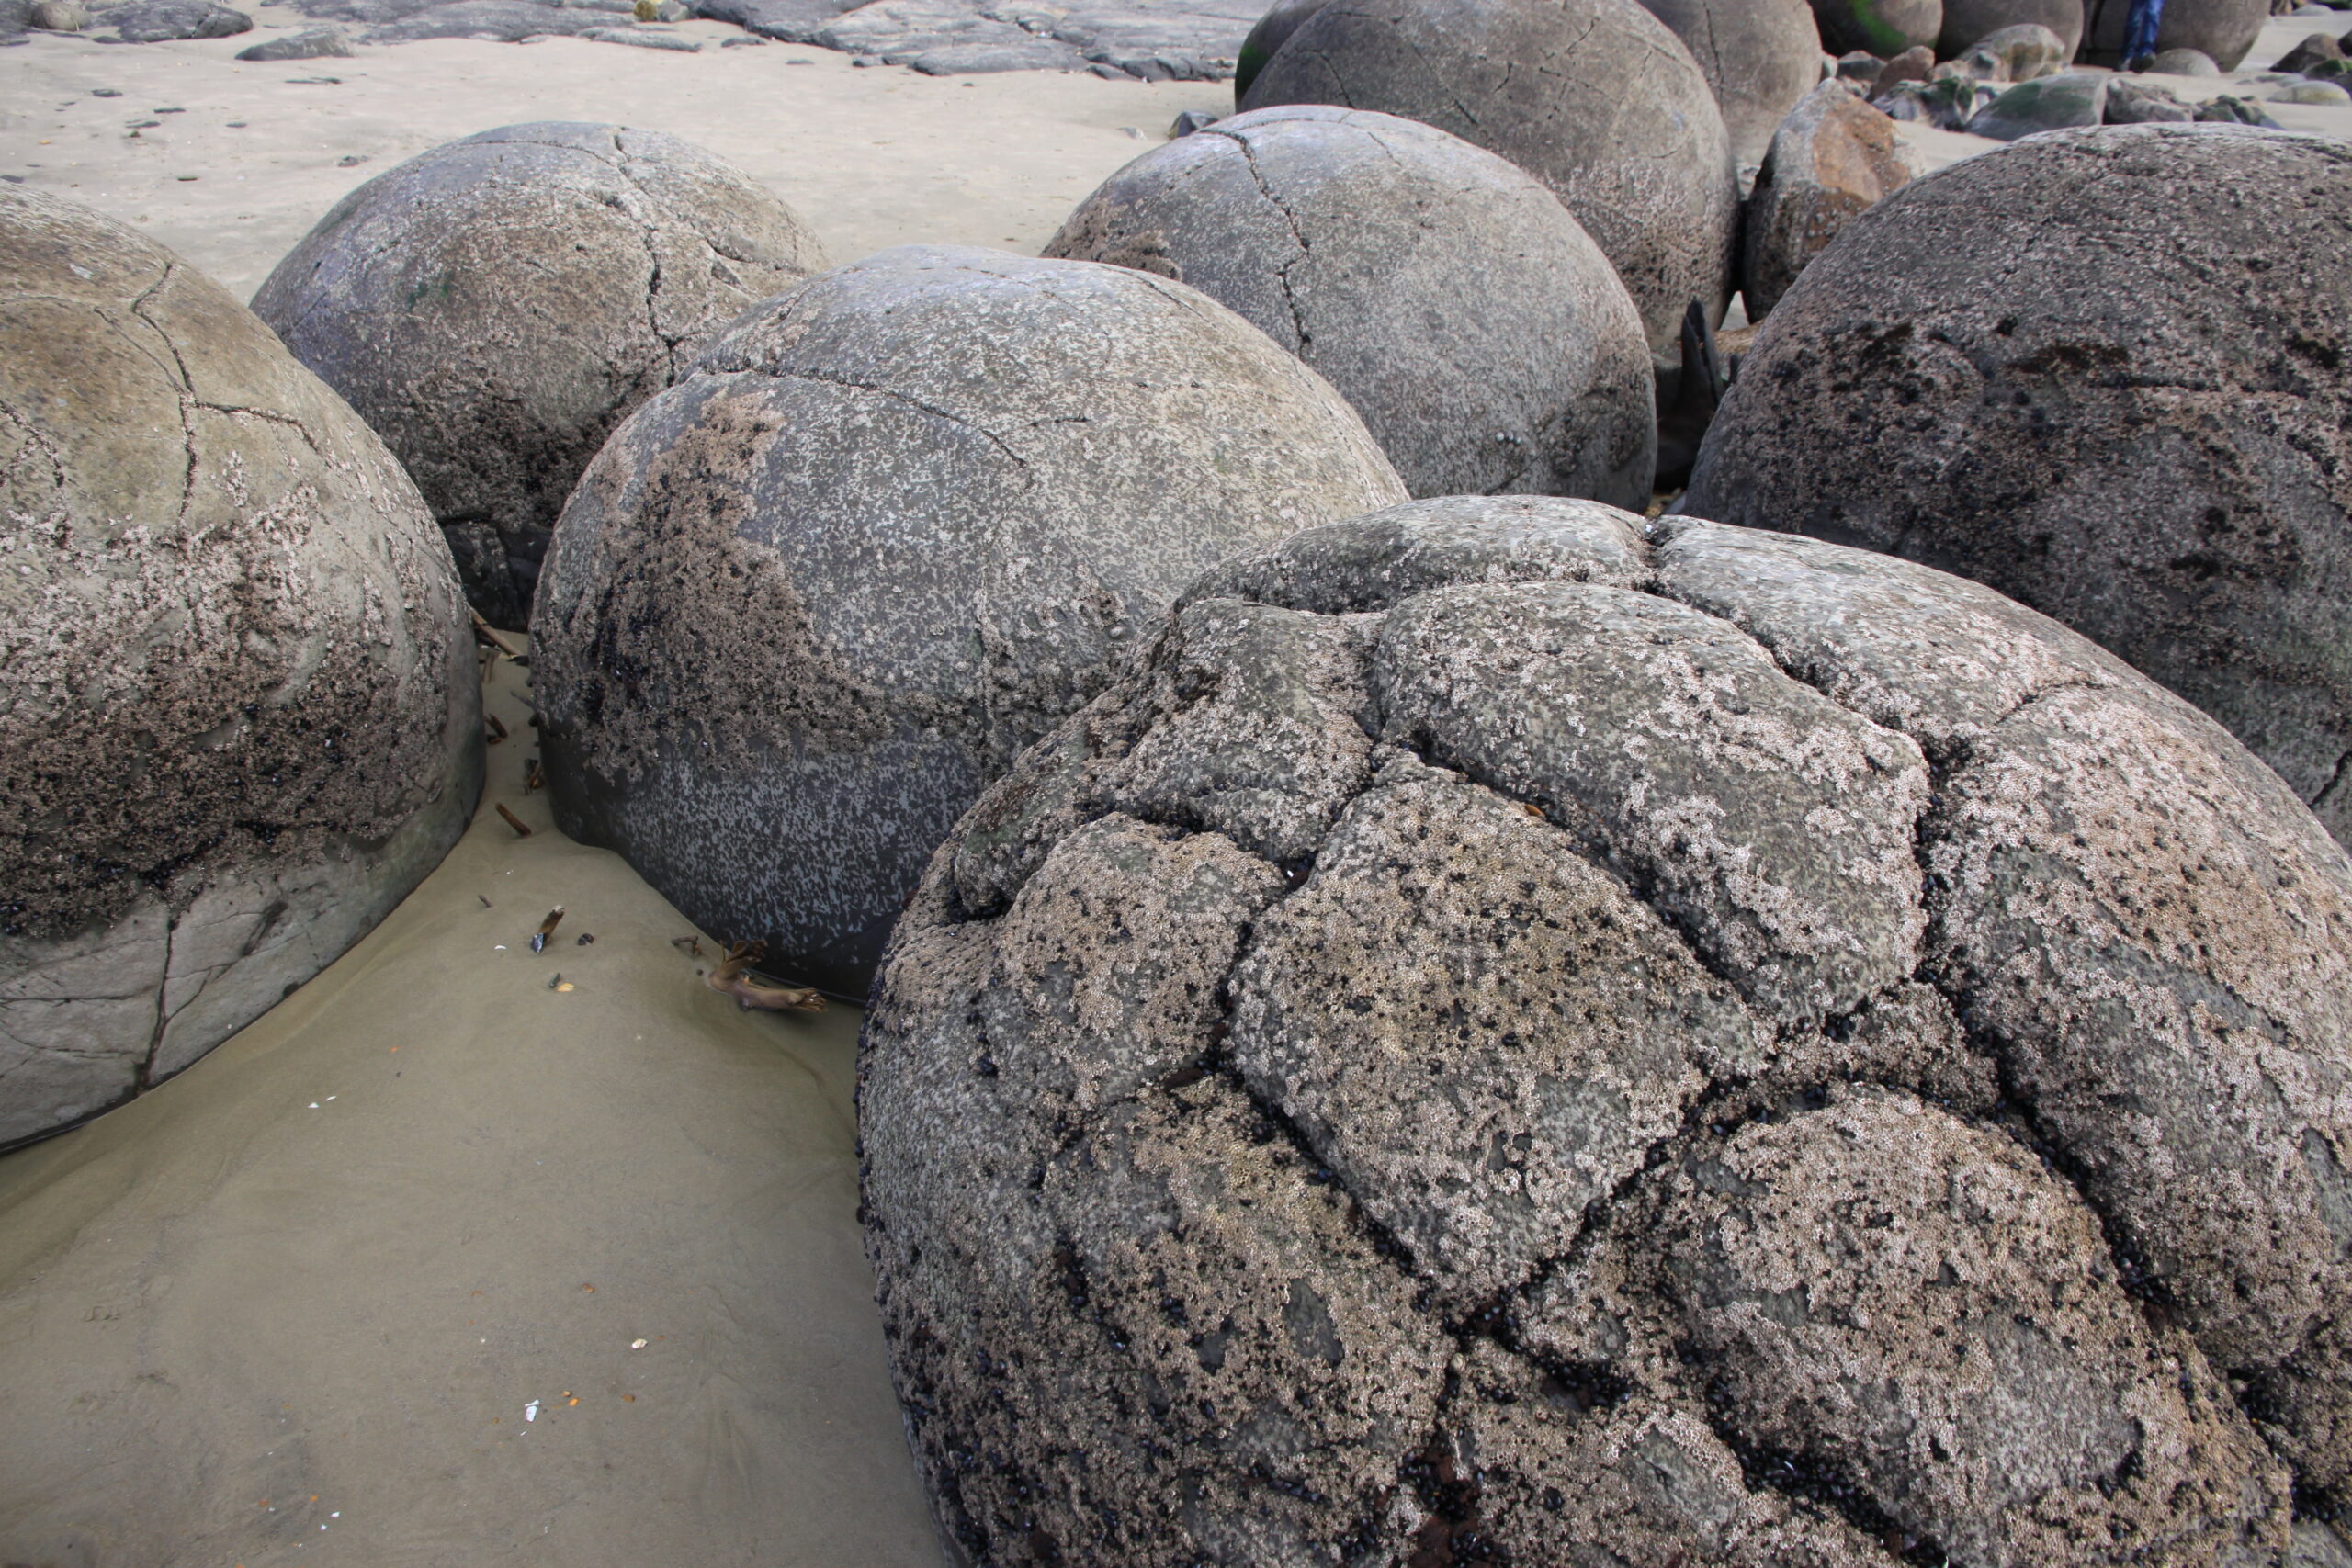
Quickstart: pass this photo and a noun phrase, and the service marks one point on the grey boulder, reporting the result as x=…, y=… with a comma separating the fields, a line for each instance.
x=316, y=43
x=2183, y=63
x=1268, y=35
x=1759, y=57
x=1885, y=27
x=1967, y=23
x=2225, y=30
x=1834, y=157
x=892, y=526
x=163, y=21
x=1977, y=376
x=496, y=306
x=1445, y=293
x=2019, y=53
x=239, y=715
x=1597, y=98
x=2072, y=99
x=2133, y=102
x=1509, y=1037
x=1947, y=102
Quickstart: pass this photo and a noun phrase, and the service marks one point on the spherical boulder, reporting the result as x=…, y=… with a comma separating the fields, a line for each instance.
x=1884, y=27
x=1976, y=376
x=1272, y=31
x=1597, y=98
x=1759, y=57
x=2225, y=30
x=1506, y=1037
x=1968, y=22
x=496, y=306
x=1444, y=292
x=239, y=717
x=888, y=531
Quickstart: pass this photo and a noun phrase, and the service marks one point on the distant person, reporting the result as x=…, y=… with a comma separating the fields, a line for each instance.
x=2140, y=33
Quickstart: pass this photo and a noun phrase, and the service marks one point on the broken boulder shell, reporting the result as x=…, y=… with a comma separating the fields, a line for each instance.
x=890, y=529
x=239, y=718
x=496, y=306
x=1505, y=1031
x=1964, y=379
x=1446, y=293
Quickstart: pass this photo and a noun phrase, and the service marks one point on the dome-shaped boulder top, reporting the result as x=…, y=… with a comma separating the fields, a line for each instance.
x=892, y=527
x=1760, y=56
x=1447, y=294
x=494, y=307
x=2067, y=370
x=1597, y=98
x=1503, y=1039
x=239, y=717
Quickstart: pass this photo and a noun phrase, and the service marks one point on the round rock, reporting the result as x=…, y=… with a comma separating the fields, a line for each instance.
x=1597, y=98
x=1759, y=57
x=1446, y=293
x=2223, y=30
x=808, y=602
x=1503, y=1037
x=496, y=306
x=1882, y=28
x=239, y=718
x=1964, y=380
x=1273, y=31
x=1968, y=22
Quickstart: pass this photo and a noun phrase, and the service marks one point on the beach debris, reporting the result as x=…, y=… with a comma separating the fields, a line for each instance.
x=316, y=43
x=106, y=92
x=521, y=830
x=1189, y=122
x=637, y=1344
x=688, y=943
x=531, y=1411
x=501, y=641
x=351, y=160
x=557, y=983
x=546, y=929
x=494, y=730
x=644, y=37
x=534, y=776
x=314, y=80
x=486, y=903
x=587, y=939
x=731, y=977
x=746, y=41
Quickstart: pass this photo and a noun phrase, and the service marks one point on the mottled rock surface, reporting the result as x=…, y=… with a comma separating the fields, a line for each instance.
x=238, y=711
x=2070, y=100
x=1506, y=1038
x=1597, y=98
x=891, y=528
x=314, y=43
x=1969, y=22
x=2019, y=53
x=1446, y=293
x=1885, y=27
x=163, y=21
x=1974, y=378
x=496, y=306
x=1759, y=57
x=1834, y=157
x=2225, y=30
x=1269, y=34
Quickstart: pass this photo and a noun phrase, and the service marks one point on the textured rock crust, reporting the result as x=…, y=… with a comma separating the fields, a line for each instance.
x=1500, y=1039
x=1759, y=57
x=1447, y=294
x=1271, y=32
x=2225, y=30
x=889, y=530
x=1969, y=22
x=1597, y=98
x=1975, y=378
x=1884, y=27
x=496, y=306
x=239, y=718
x=1834, y=157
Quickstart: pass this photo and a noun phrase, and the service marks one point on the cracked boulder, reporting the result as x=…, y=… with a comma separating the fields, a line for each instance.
x=889, y=530
x=1446, y=293
x=495, y=307
x=239, y=717
x=1963, y=379
x=1508, y=1037
x=1596, y=98
x=1759, y=57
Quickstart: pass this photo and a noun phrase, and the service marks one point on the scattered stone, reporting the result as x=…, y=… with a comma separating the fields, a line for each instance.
x=2049, y=103
x=1911, y=65
x=1835, y=156
x=498, y=21
x=893, y=526
x=1886, y=28
x=426, y=298
x=351, y=160
x=1967, y=23
x=1344, y=977
x=1597, y=98
x=1861, y=67
x=2330, y=71
x=160, y=21
x=643, y=38
x=2225, y=30
x=1975, y=378
x=58, y=16
x=1189, y=122
x=317, y=43
x=1946, y=102
x=746, y=41
x=2309, y=53
x=1444, y=292
x=2133, y=102
x=106, y=92
x=2183, y=63
x=2021, y=53
x=2325, y=94
x=1272, y=31
x=2229, y=110
x=1758, y=56
x=239, y=715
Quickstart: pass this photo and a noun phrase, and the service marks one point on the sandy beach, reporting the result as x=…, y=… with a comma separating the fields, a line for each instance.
x=465, y=1254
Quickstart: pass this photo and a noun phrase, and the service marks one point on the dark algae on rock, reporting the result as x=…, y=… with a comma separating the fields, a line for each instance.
x=1508, y=1037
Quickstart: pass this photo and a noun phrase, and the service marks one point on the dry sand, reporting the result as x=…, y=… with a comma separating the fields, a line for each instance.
x=293, y=1306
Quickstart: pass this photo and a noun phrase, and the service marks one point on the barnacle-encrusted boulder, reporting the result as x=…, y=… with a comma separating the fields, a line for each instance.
x=2225, y=30
x=239, y=717
x=1974, y=377
x=1446, y=293
x=1597, y=98
x=496, y=306
x=1503, y=1038
x=888, y=531
x=1760, y=56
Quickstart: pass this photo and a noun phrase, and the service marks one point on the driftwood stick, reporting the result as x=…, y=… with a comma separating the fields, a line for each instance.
x=731, y=977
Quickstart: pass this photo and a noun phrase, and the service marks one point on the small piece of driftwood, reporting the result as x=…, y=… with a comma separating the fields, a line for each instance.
x=733, y=978
x=521, y=830
x=492, y=636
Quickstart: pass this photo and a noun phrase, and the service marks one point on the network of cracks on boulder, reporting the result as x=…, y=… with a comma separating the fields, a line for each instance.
x=1471, y=1055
